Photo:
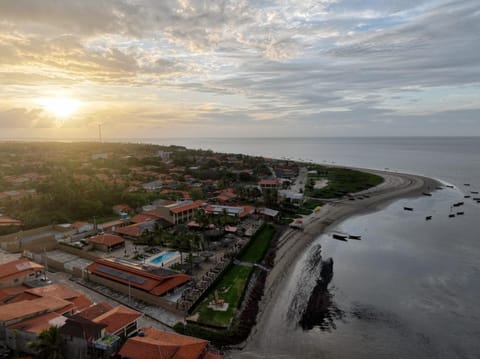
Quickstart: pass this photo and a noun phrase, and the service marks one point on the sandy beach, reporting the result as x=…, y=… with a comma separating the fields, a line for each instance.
x=294, y=242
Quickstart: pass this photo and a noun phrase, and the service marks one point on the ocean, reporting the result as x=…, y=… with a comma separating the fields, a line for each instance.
x=410, y=287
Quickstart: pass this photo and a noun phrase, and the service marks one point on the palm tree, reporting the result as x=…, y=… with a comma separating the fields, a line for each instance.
x=48, y=344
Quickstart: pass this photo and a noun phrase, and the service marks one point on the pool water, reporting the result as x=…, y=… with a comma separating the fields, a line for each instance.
x=162, y=257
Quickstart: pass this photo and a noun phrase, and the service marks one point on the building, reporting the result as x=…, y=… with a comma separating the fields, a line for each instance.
x=107, y=242
x=18, y=272
x=239, y=212
x=153, y=344
x=134, y=281
x=180, y=212
x=269, y=184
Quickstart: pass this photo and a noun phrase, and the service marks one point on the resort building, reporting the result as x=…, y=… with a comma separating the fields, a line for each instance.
x=136, y=282
x=238, y=212
x=180, y=212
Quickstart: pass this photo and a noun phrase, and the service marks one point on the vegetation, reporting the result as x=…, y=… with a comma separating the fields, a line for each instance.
x=341, y=181
x=48, y=344
x=231, y=286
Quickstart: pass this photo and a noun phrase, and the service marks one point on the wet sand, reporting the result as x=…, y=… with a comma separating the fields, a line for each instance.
x=294, y=242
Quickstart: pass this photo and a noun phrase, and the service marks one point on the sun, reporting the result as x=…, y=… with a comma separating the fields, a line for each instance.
x=62, y=107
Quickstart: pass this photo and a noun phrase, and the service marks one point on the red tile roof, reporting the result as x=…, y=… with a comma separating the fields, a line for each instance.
x=273, y=182
x=108, y=240
x=187, y=207
x=38, y=324
x=18, y=268
x=143, y=217
x=95, y=310
x=152, y=283
x=159, y=344
x=79, y=300
x=117, y=318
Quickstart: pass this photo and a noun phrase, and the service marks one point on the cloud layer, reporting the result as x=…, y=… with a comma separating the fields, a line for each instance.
x=289, y=67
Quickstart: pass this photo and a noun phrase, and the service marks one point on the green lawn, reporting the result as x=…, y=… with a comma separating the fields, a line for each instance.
x=234, y=281
x=258, y=246
x=342, y=181
x=230, y=288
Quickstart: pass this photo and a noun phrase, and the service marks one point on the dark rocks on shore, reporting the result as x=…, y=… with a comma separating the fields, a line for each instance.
x=320, y=310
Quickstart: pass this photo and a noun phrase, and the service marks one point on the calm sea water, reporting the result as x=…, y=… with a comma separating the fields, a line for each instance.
x=410, y=288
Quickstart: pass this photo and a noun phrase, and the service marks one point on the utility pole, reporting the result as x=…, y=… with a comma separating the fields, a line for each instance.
x=100, y=132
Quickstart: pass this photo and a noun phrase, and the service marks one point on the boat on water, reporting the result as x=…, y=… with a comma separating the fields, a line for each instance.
x=354, y=236
x=451, y=215
x=340, y=237
x=460, y=213
x=408, y=208
x=466, y=196
x=458, y=204
x=449, y=186
x=427, y=194
x=474, y=192
x=427, y=218
x=466, y=184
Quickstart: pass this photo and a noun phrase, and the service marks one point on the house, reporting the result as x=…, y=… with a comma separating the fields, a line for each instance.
x=8, y=221
x=79, y=300
x=135, y=231
x=19, y=271
x=268, y=214
x=153, y=185
x=107, y=242
x=269, y=184
x=79, y=336
x=240, y=212
x=122, y=209
x=120, y=321
x=19, y=335
x=153, y=344
x=82, y=227
x=291, y=196
x=110, y=226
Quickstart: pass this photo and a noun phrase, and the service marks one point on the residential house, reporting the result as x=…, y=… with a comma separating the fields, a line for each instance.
x=153, y=344
x=107, y=242
x=180, y=212
x=269, y=184
x=19, y=271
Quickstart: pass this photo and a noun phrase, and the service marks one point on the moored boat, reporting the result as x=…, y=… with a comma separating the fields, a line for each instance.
x=340, y=237
x=353, y=236
x=408, y=208
x=427, y=218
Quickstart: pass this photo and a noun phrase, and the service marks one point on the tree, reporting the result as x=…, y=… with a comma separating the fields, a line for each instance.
x=48, y=344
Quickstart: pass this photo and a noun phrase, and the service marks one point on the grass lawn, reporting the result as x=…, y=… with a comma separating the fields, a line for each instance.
x=258, y=246
x=343, y=180
x=233, y=283
x=230, y=288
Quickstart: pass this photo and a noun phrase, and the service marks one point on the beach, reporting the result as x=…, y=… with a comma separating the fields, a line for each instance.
x=294, y=242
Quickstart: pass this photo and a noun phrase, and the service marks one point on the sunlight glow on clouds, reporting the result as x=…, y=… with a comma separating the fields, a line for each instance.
x=238, y=67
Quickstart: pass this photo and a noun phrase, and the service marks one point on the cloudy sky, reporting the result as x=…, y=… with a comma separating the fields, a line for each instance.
x=186, y=68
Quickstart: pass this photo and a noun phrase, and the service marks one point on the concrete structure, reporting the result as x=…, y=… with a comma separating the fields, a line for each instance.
x=107, y=242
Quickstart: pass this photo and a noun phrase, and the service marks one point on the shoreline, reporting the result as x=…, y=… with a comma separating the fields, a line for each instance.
x=293, y=243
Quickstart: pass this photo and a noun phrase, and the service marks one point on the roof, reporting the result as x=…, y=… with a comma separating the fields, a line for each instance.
x=108, y=240
x=143, y=217
x=135, y=230
x=79, y=327
x=269, y=212
x=18, y=268
x=95, y=310
x=38, y=324
x=115, y=222
x=137, y=278
x=187, y=207
x=159, y=344
x=77, y=225
x=271, y=182
x=246, y=211
x=8, y=221
x=117, y=318
x=20, y=310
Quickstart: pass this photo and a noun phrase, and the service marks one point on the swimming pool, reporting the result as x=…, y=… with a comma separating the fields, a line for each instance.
x=164, y=257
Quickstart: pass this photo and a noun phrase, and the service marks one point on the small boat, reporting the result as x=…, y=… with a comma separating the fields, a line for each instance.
x=474, y=192
x=467, y=196
x=458, y=204
x=408, y=208
x=353, y=236
x=476, y=198
x=449, y=186
x=427, y=218
x=466, y=184
x=460, y=213
x=451, y=215
x=340, y=237
x=439, y=187
x=427, y=194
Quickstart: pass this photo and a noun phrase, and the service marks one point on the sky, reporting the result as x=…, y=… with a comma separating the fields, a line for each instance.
x=239, y=68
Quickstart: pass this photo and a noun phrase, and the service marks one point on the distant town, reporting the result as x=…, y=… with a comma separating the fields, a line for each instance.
x=131, y=250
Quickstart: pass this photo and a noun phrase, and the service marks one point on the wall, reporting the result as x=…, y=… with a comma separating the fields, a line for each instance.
x=77, y=251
